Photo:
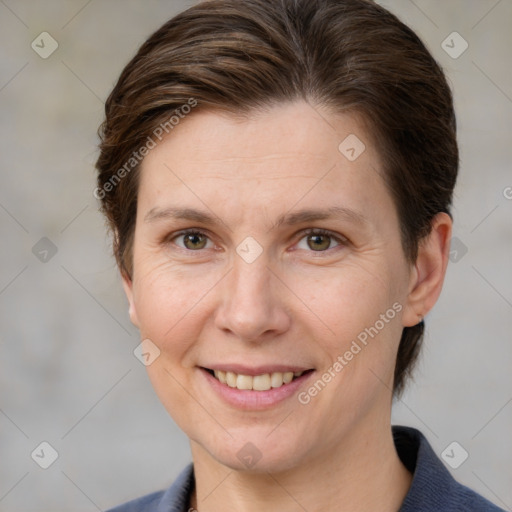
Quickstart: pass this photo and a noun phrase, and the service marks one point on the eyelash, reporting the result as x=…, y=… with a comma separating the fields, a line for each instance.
x=311, y=231
x=342, y=241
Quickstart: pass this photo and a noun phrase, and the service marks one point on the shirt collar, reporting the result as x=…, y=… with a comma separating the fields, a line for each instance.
x=430, y=477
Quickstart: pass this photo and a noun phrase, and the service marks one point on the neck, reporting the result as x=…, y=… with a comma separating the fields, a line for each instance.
x=363, y=472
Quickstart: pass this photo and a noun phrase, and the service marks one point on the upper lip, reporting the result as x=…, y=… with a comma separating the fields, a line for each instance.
x=242, y=369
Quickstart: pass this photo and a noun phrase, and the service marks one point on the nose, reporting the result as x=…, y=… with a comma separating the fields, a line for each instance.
x=251, y=305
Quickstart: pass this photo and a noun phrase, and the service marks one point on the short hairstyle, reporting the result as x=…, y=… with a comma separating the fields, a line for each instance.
x=238, y=56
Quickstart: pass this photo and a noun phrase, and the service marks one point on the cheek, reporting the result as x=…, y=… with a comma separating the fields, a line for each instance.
x=361, y=312
x=345, y=300
x=171, y=308
x=170, y=304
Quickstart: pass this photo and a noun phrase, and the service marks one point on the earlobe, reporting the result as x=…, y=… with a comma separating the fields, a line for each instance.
x=128, y=290
x=427, y=277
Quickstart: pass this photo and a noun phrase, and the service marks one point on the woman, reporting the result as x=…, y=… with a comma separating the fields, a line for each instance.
x=278, y=176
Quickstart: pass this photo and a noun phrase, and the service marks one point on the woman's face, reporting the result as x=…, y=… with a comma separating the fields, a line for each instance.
x=262, y=247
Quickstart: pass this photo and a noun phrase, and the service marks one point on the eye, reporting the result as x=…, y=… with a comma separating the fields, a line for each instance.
x=192, y=240
x=319, y=240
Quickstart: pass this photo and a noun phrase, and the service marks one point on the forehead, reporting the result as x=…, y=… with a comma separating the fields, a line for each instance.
x=271, y=160
x=293, y=130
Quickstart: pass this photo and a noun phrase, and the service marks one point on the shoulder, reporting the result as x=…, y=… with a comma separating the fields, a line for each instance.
x=147, y=503
x=433, y=487
x=174, y=499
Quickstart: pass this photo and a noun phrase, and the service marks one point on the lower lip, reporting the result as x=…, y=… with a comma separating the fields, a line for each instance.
x=255, y=400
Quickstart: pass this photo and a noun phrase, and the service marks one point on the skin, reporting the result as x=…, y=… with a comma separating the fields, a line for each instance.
x=293, y=305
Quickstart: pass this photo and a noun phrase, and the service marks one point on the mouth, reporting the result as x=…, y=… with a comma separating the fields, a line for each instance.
x=261, y=382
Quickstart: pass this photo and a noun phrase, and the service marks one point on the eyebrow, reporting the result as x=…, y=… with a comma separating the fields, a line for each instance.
x=156, y=214
x=288, y=219
x=310, y=215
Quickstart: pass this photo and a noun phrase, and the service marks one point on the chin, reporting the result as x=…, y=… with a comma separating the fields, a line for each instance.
x=256, y=452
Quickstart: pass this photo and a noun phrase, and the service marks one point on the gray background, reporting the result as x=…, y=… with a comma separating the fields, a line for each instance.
x=68, y=375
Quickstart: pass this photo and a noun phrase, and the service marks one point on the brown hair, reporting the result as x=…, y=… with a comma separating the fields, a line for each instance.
x=236, y=56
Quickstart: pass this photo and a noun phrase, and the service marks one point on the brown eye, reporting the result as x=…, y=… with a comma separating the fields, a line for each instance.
x=319, y=242
x=192, y=240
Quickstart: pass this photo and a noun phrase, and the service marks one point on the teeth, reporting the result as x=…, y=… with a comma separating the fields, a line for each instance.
x=287, y=377
x=244, y=382
x=230, y=379
x=276, y=380
x=258, y=382
x=261, y=382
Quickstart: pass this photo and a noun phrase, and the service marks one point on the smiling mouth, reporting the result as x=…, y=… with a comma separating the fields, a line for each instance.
x=263, y=382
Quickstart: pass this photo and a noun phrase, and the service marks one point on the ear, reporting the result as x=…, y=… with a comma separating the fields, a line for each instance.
x=427, y=277
x=128, y=290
